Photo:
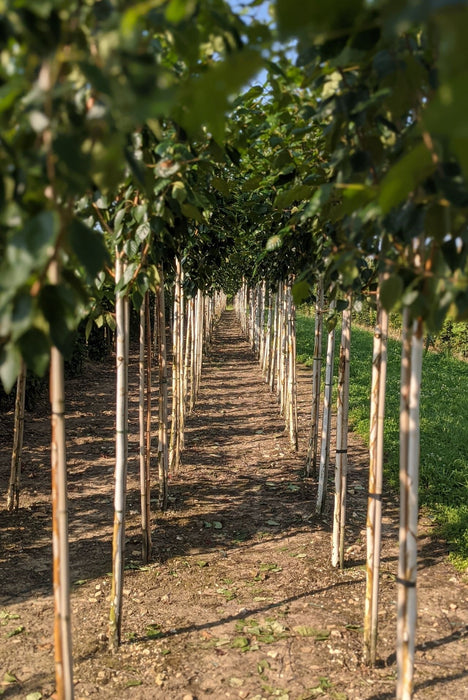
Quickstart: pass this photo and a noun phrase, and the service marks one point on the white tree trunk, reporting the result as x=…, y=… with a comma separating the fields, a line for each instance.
x=341, y=462
x=61, y=567
x=311, y=462
x=411, y=368
x=326, y=422
x=374, y=502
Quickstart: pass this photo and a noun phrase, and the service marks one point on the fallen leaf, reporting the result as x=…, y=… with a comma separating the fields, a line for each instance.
x=10, y=678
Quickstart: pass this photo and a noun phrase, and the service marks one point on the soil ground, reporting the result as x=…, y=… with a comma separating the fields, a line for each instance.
x=240, y=600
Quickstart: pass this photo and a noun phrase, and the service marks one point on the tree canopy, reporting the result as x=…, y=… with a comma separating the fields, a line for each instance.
x=330, y=141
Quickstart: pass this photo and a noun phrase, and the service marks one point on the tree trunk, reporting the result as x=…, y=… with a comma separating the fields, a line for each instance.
x=291, y=409
x=17, y=452
x=374, y=502
x=326, y=422
x=163, y=450
x=61, y=568
x=311, y=462
x=121, y=455
x=144, y=414
x=411, y=366
x=341, y=462
x=176, y=343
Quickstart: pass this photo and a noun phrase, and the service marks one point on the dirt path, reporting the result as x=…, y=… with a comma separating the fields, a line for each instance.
x=240, y=601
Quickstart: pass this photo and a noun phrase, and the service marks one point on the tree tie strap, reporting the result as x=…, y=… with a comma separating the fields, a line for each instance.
x=376, y=496
x=342, y=452
x=406, y=583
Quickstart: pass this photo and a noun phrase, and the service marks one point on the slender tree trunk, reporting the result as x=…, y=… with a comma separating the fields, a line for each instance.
x=341, y=463
x=292, y=382
x=163, y=449
x=199, y=343
x=274, y=346
x=182, y=395
x=149, y=421
x=326, y=422
x=411, y=366
x=267, y=343
x=145, y=426
x=311, y=462
x=176, y=340
x=17, y=452
x=61, y=568
x=374, y=504
x=121, y=454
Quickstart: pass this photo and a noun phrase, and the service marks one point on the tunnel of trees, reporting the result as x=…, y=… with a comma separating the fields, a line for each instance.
x=161, y=158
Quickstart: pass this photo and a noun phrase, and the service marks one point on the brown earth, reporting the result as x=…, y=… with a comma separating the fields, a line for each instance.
x=240, y=600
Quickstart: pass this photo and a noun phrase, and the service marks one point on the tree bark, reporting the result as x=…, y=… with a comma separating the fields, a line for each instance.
x=326, y=422
x=374, y=501
x=17, y=452
x=61, y=567
x=163, y=449
x=121, y=458
x=411, y=367
x=341, y=462
x=311, y=462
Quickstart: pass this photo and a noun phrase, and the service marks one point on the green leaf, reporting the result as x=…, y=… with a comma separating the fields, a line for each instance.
x=403, y=177
x=319, y=200
x=297, y=193
x=191, y=212
x=307, y=631
x=143, y=231
x=179, y=192
x=177, y=10
x=34, y=696
x=35, y=349
x=10, y=363
x=16, y=631
x=221, y=185
x=295, y=16
x=240, y=643
x=301, y=291
x=391, y=291
x=9, y=678
x=88, y=246
x=57, y=305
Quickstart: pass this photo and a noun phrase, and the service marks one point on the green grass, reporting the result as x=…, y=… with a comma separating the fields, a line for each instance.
x=444, y=427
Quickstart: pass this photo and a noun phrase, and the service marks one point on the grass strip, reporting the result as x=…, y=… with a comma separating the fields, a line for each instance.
x=444, y=426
